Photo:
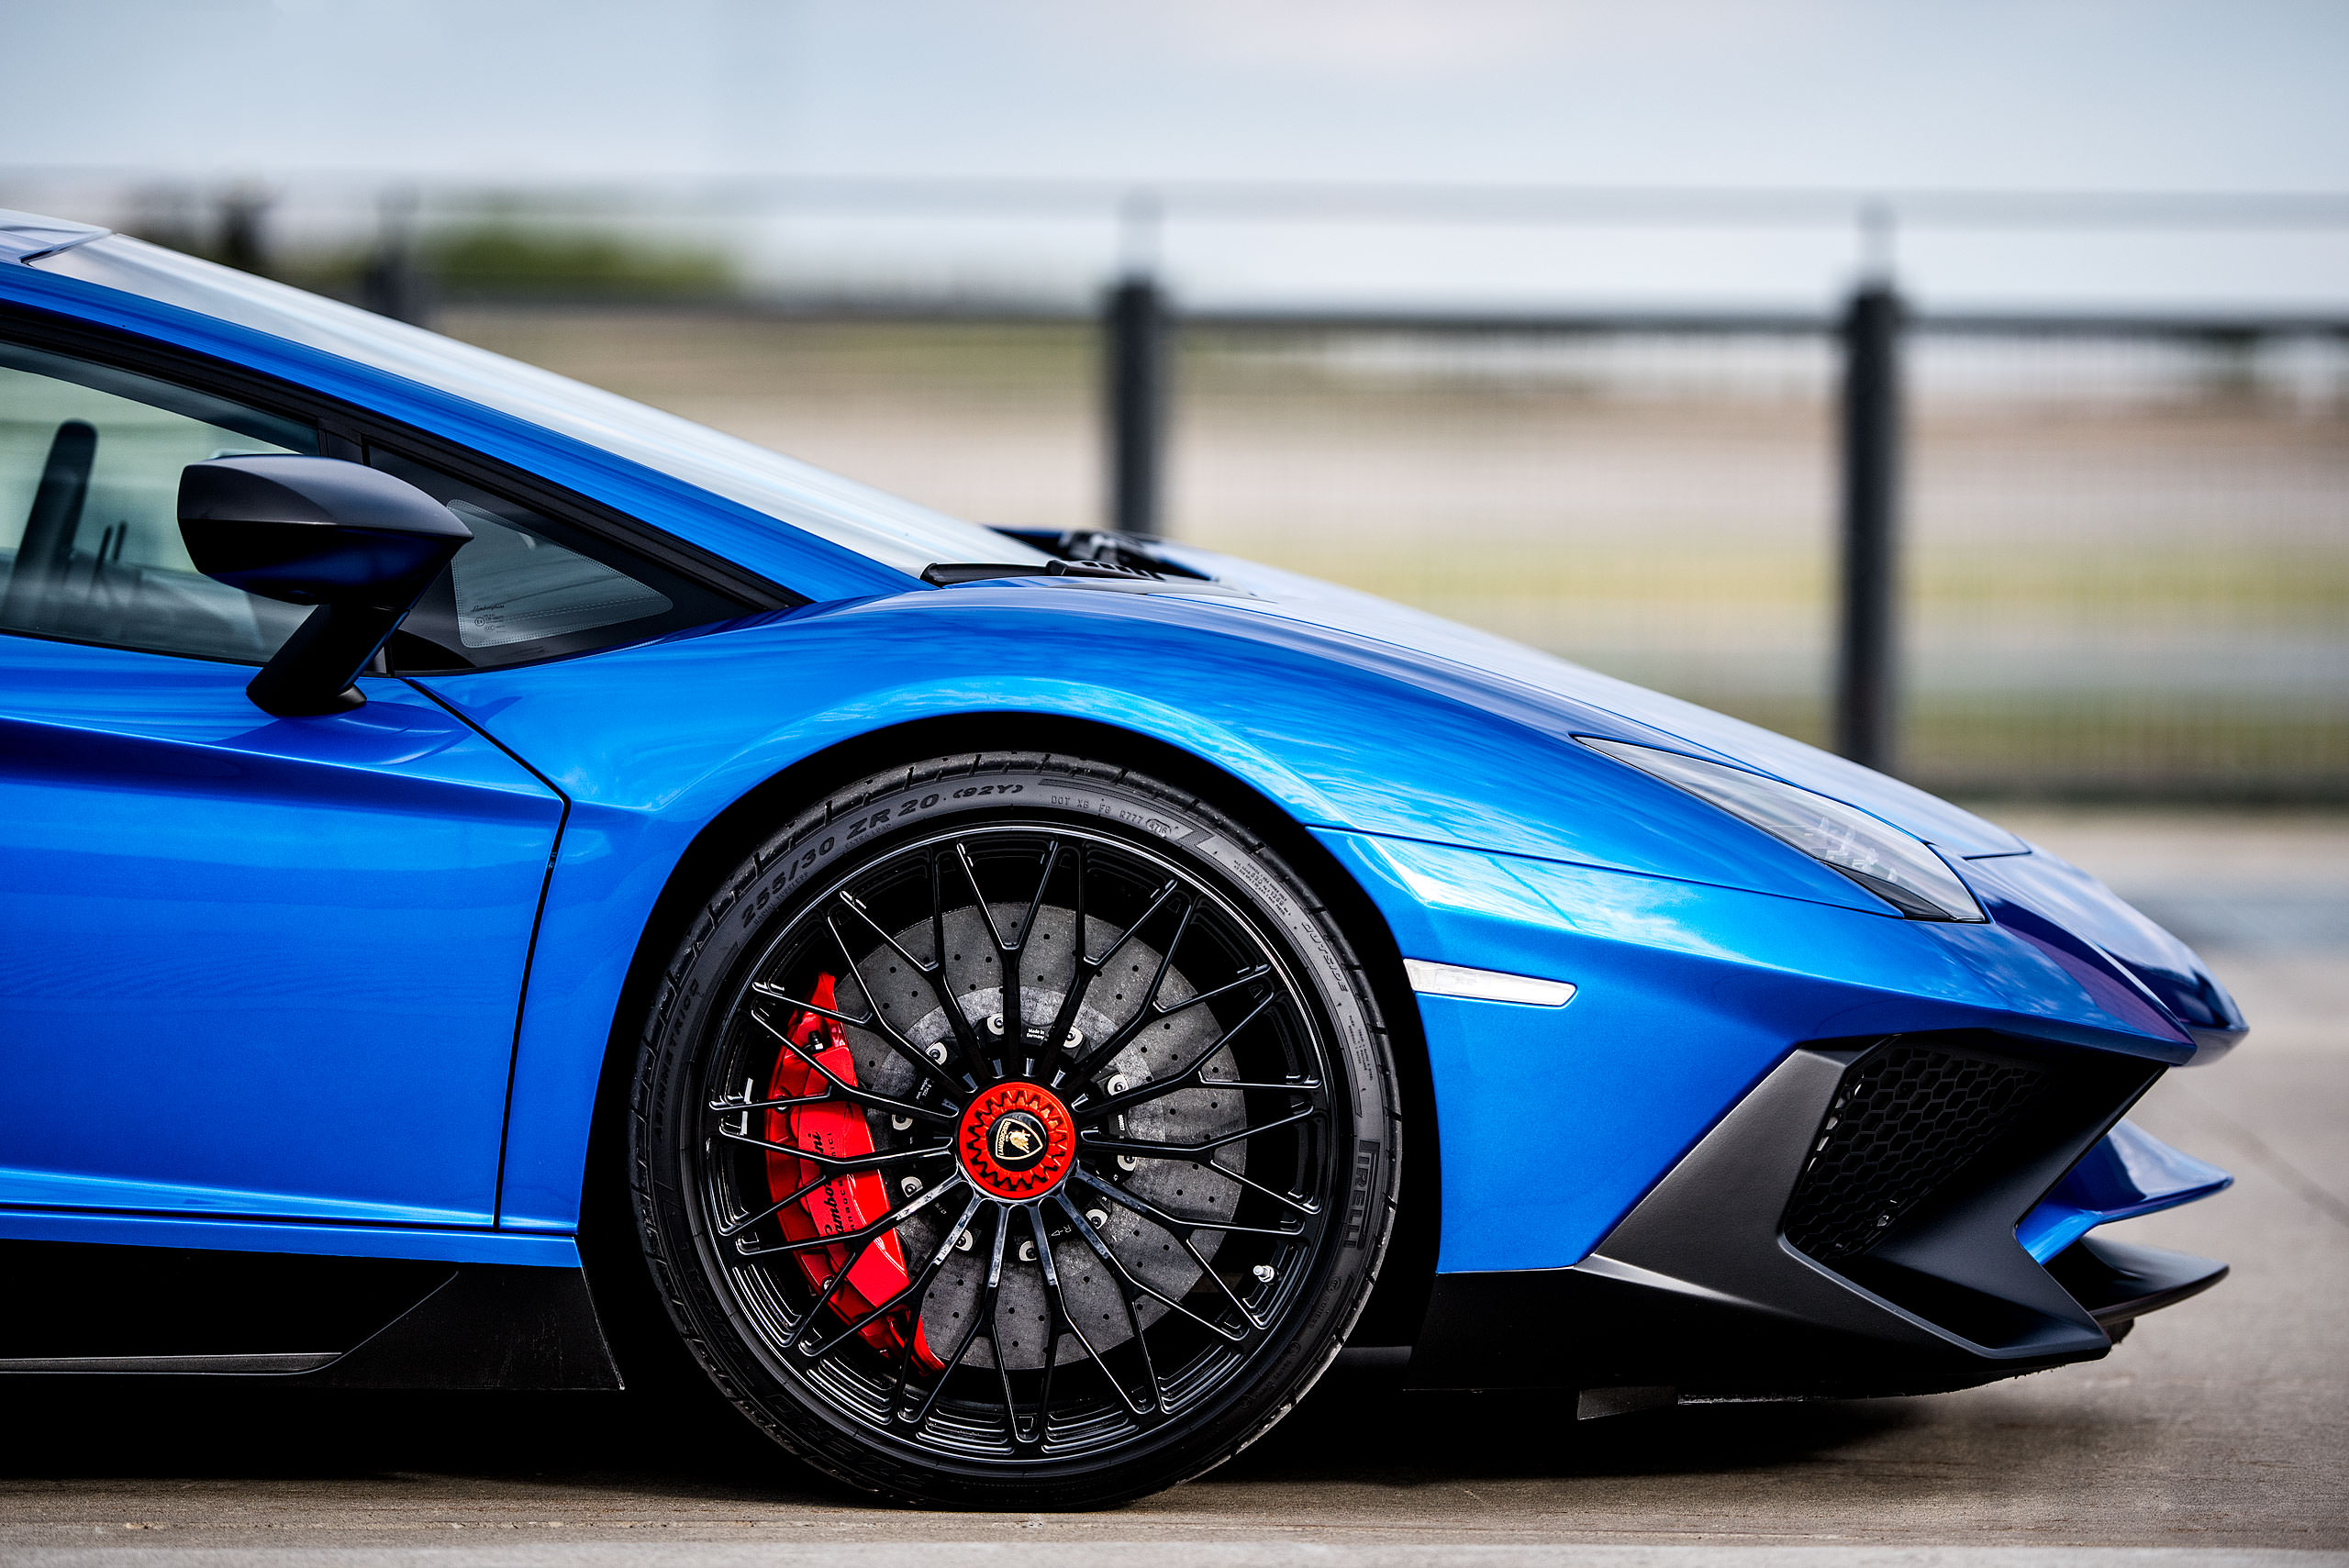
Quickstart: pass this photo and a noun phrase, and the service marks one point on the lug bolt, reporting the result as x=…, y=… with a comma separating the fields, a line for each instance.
x=910, y=1186
x=1264, y=1273
x=1027, y=1251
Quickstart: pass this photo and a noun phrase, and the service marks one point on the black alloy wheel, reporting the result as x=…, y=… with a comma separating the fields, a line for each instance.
x=1015, y=1132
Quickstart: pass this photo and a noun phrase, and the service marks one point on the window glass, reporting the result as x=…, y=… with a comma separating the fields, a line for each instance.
x=528, y=586
x=513, y=586
x=90, y=547
x=885, y=528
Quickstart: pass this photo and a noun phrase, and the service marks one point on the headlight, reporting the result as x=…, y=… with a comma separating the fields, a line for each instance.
x=1902, y=870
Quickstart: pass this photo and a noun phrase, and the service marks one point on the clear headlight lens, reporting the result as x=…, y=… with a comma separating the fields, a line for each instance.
x=1902, y=870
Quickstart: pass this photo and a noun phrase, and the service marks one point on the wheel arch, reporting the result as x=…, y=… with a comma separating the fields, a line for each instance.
x=607, y=1228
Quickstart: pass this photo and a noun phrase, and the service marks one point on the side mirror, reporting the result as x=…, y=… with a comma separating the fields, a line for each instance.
x=354, y=540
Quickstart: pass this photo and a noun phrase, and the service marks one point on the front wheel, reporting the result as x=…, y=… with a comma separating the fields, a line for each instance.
x=1015, y=1132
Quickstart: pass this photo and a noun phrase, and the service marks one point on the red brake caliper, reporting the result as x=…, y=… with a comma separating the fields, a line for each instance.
x=836, y=1127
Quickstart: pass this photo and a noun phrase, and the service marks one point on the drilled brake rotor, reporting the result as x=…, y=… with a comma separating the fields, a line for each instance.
x=1186, y=1116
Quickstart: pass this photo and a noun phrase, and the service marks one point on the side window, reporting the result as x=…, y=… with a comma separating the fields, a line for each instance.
x=529, y=587
x=90, y=549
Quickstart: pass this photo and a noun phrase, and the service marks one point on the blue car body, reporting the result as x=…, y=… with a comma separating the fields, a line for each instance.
x=355, y=980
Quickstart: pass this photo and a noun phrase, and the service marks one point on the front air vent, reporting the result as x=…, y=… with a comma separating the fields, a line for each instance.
x=1904, y=1120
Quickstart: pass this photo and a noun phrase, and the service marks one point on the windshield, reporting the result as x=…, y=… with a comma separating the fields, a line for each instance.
x=871, y=522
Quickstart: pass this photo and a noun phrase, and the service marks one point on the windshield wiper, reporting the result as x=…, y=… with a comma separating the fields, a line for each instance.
x=946, y=574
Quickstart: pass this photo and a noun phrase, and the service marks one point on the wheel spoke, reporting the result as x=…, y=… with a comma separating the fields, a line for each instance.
x=1160, y=1088
x=723, y=1109
x=727, y=1232
x=1125, y=1294
x=777, y=994
x=1194, y=1153
x=1231, y=1336
x=1198, y=1064
x=888, y=1221
x=933, y=974
x=840, y=1086
x=726, y=1109
x=1150, y=1012
x=1088, y=967
x=1182, y=1235
x=1287, y=1200
x=965, y=1036
x=880, y=1023
x=1056, y=1033
x=841, y=1270
x=970, y=1330
x=1006, y=961
x=1053, y=1314
x=876, y=1160
x=906, y=1352
x=1151, y=1211
x=918, y=1287
x=995, y=1327
x=1009, y=952
x=730, y=1108
x=1014, y=1024
x=1158, y=901
x=1119, y=1267
x=1058, y=1295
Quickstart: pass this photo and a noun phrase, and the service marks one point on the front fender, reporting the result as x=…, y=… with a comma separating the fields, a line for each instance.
x=651, y=743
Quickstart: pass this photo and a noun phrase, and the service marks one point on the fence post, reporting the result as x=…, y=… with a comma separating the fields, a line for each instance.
x=393, y=283
x=241, y=245
x=1135, y=339
x=1868, y=676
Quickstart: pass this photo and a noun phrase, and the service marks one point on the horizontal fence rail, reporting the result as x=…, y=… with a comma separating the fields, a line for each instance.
x=2121, y=565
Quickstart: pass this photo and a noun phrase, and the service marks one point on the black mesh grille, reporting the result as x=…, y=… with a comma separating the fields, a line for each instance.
x=1905, y=1118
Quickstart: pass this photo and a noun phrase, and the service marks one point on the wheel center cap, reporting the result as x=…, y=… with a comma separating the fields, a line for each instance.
x=1016, y=1141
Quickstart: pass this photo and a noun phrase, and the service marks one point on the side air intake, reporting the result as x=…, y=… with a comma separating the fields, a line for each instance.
x=1904, y=1120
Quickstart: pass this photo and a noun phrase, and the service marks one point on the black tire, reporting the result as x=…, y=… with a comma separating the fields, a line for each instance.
x=931, y=1356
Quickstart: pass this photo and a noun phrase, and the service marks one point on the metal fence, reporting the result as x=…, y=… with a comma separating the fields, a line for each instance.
x=2124, y=545
x=2113, y=555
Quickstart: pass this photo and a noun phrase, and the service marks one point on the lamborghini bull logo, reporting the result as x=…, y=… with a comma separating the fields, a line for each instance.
x=1016, y=1140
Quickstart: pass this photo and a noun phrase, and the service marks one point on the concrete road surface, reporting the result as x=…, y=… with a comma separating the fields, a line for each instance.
x=2219, y=1433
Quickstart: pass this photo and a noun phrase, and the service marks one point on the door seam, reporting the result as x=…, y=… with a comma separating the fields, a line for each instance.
x=530, y=953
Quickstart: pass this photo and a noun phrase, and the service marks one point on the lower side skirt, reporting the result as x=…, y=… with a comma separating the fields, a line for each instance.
x=83, y=1310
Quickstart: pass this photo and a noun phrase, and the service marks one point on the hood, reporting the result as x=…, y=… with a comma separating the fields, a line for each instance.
x=1699, y=731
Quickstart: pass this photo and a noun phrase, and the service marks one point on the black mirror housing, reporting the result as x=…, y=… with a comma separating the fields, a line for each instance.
x=356, y=541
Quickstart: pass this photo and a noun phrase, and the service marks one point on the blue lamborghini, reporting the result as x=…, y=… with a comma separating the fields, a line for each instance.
x=505, y=887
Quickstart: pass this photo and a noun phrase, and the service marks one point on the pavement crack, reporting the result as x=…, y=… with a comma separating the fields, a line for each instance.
x=2278, y=1165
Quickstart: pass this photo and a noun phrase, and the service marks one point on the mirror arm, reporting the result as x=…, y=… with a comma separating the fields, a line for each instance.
x=315, y=671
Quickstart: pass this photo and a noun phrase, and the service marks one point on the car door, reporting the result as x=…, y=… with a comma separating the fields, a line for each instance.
x=247, y=966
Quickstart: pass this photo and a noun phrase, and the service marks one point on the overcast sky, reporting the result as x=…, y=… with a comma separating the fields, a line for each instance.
x=2236, y=96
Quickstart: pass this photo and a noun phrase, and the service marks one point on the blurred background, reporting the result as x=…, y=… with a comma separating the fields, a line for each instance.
x=1681, y=340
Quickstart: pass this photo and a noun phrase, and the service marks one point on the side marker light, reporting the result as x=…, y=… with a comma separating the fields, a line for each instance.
x=1433, y=979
